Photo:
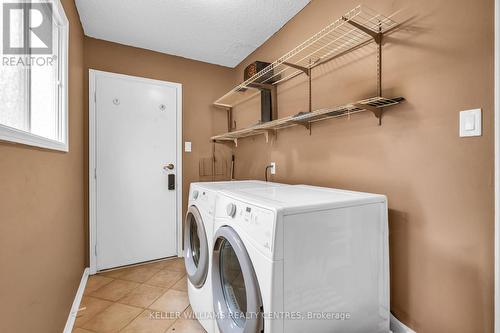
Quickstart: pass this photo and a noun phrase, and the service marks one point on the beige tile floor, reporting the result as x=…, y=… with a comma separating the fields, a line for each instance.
x=149, y=298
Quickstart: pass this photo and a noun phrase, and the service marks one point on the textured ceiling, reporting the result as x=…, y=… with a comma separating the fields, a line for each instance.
x=222, y=32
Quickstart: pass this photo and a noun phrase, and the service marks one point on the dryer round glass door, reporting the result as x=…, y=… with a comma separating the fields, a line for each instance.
x=237, y=298
x=195, y=243
x=195, y=248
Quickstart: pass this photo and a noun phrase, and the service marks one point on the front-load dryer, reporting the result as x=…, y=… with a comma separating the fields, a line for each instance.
x=300, y=259
x=198, y=234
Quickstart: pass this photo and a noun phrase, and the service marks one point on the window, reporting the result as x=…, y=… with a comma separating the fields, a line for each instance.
x=33, y=74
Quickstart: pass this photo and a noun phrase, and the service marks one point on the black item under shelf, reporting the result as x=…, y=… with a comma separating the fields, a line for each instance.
x=266, y=106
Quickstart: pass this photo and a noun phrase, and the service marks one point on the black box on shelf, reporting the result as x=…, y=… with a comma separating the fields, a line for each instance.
x=256, y=67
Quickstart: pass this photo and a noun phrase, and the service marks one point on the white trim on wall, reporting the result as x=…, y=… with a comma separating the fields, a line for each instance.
x=92, y=183
x=76, y=302
x=497, y=166
x=14, y=135
x=179, y=179
x=92, y=161
x=399, y=327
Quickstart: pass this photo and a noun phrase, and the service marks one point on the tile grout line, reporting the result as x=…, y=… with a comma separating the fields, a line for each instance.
x=140, y=283
x=143, y=309
x=140, y=264
x=127, y=294
x=163, y=269
x=121, y=329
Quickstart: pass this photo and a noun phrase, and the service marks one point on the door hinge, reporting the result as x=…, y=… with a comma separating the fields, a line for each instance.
x=95, y=250
x=95, y=96
x=95, y=173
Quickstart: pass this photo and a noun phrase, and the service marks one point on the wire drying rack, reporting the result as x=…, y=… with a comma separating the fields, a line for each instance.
x=305, y=119
x=356, y=28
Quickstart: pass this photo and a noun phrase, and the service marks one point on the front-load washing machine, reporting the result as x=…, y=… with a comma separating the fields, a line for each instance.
x=300, y=259
x=198, y=234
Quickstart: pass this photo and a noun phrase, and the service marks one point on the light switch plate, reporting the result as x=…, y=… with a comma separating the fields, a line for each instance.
x=471, y=123
x=187, y=147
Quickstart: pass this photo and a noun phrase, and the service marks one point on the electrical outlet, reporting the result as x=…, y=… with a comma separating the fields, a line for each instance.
x=273, y=168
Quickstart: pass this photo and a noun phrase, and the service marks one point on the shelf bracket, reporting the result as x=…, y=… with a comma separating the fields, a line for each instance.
x=230, y=123
x=306, y=124
x=230, y=126
x=377, y=36
x=306, y=70
x=274, y=101
x=377, y=112
x=267, y=133
x=223, y=141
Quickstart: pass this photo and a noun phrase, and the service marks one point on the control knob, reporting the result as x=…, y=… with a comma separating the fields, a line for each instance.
x=231, y=210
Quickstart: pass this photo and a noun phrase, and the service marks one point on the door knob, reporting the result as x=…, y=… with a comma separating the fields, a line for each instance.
x=169, y=166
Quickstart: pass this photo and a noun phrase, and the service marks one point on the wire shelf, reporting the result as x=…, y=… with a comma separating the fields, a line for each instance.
x=374, y=104
x=354, y=29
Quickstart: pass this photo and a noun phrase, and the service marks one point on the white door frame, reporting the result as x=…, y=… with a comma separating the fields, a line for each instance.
x=497, y=165
x=93, y=74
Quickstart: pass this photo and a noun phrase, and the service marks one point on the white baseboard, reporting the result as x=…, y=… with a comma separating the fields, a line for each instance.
x=76, y=303
x=399, y=327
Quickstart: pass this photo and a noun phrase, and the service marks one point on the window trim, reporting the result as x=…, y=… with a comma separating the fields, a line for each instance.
x=14, y=135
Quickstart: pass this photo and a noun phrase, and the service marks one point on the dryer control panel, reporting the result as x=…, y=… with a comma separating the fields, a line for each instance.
x=203, y=199
x=257, y=223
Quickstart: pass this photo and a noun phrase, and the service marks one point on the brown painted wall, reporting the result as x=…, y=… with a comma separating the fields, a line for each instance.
x=440, y=186
x=42, y=218
x=201, y=83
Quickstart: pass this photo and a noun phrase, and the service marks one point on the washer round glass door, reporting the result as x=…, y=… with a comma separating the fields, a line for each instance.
x=237, y=298
x=195, y=248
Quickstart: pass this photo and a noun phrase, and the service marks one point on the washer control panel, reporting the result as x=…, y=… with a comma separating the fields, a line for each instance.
x=258, y=223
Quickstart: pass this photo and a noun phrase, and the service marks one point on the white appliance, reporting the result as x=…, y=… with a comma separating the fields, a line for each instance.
x=301, y=259
x=198, y=243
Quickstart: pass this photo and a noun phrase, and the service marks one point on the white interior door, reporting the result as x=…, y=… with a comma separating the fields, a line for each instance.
x=135, y=141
